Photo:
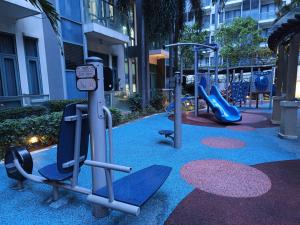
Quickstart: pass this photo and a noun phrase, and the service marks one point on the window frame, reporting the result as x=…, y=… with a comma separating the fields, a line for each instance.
x=16, y=67
x=38, y=65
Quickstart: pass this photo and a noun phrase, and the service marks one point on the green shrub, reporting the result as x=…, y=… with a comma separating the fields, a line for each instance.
x=116, y=116
x=22, y=112
x=157, y=100
x=59, y=105
x=149, y=110
x=18, y=132
x=135, y=103
x=130, y=116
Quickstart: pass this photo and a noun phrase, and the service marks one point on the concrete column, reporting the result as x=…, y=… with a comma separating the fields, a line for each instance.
x=292, y=67
x=130, y=75
x=288, y=125
x=280, y=70
x=276, y=113
x=143, y=73
x=280, y=75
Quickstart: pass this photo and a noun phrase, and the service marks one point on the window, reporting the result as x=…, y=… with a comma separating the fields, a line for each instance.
x=230, y=15
x=268, y=11
x=73, y=56
x=33, y=66
x=71, y=32
x=191, y=16
x=206, y=20
x=9, y=83
x=70, y=9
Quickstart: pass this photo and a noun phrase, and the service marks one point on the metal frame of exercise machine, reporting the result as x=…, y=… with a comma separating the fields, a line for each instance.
x=103, y=194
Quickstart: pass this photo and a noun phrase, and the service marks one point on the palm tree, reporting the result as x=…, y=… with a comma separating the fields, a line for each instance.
x=164, y=17
x=163, y=20
x=49, y=10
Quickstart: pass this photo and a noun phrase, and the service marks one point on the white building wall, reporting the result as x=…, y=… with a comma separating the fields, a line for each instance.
x=30, y=27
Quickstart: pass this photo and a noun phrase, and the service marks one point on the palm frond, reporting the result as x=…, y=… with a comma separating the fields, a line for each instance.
x=49, y=10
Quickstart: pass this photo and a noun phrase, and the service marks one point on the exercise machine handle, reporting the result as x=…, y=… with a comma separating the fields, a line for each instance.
x=110, y=143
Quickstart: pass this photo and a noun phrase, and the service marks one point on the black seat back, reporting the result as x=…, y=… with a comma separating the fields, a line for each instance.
x=66, y=141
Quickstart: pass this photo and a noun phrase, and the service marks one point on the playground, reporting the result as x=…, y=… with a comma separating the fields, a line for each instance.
x=260, y=170
x=185, y=167
x=223, y=163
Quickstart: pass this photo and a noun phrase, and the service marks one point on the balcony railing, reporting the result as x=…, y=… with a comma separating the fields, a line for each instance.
x=205, y=3
x=267, y=15
x=107, y=15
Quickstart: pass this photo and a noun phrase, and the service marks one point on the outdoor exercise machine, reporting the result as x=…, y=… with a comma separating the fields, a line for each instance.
x=176, y=135
x=81, y=126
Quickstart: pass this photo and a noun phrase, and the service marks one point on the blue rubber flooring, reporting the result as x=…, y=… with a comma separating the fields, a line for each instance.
x=139, y=145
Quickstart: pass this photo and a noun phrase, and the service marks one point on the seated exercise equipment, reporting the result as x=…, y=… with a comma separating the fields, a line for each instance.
x=81, y=126
x=167, y=134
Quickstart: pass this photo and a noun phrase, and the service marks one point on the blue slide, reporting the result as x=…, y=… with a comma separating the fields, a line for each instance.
x=224, y=112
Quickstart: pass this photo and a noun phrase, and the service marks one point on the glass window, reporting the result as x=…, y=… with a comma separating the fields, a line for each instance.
x=70, y=9
x=33, y=66
x=9, y=82
x=73, y=56
x=30, y=47
x=254, y=4
x=7, y=44
x=10, y=76
x=191, y=16
x=71, y=32
x=246, y=5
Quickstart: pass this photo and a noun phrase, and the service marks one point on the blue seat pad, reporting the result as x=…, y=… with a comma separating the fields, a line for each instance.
x=51, y=172
x=137, y=188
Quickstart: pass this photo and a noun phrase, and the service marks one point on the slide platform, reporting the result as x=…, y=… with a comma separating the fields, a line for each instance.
x=224, y=112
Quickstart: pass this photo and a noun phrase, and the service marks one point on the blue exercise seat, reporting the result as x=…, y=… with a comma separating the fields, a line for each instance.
x=137, y=188
x=65, y=147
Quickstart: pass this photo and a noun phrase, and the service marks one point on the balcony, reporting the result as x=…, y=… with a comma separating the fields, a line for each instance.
x=16, y=9
x=104, y=21
x=233, y=3
x=267, y=17
x=205, y=4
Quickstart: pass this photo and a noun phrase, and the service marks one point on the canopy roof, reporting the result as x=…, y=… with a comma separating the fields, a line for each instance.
x=284, y=28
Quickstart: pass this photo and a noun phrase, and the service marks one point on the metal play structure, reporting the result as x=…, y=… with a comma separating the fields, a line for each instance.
x=178, y=88
x=83, y=126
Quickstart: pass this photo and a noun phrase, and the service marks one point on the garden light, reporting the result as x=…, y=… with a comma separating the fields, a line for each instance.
x=33, y=140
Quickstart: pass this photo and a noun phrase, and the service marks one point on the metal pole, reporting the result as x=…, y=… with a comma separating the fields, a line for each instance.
x=227, y=82
x=196, y=80
x=178, y=106
x=217, y=6
x=216, y=66
x=96, y=100
x=178, y=113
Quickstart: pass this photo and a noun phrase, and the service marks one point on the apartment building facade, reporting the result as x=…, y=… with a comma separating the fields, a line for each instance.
x=263, y=11
x=89, y=28
x=23, y=65
x=36, y=64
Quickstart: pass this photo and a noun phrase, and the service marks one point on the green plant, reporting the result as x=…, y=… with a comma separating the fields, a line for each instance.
x=157, y=100
x=149, y=110
x=59, y=105
x=116, y=116
x=135, y=103
x=22, y=112
x=18, y=132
